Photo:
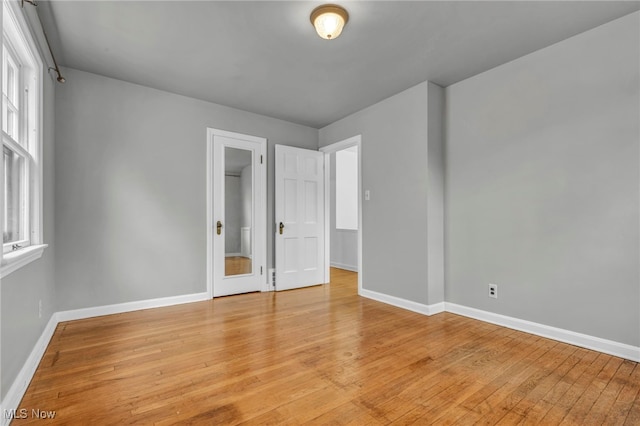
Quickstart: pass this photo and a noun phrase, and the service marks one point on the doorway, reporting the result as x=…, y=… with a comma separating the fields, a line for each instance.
x=236, y=213
x=343, y=231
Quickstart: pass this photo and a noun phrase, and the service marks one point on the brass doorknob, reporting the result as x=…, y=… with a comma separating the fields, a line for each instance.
x=219, y=227
x=281, y=227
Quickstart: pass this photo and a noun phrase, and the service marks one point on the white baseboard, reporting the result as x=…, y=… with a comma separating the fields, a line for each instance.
x=610, y=347
x=130, y=306
x=19, y=387
x=344, y=266
x=20, y=384
x=403, y=303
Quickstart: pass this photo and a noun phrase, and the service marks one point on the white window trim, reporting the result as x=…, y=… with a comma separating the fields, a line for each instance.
x=14, y=260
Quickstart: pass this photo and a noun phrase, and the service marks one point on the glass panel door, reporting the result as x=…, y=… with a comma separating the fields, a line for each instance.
x=237, y=210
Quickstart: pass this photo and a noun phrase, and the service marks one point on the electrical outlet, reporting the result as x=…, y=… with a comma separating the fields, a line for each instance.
x=272, y=278
x=493, y=290
x=40, y=309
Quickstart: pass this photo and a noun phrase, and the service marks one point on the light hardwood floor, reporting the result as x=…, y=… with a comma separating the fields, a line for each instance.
x=321, y=355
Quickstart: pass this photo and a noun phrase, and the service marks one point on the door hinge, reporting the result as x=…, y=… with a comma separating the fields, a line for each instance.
x=261, y=270
x=261, y=159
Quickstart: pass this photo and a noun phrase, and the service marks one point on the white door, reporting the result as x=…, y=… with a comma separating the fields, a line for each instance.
x=299, y=217
x=237, y=219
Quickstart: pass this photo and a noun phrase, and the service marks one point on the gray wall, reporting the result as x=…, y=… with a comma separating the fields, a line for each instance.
x=543, y=185
x=129, y=216
x=22, y=290
x=344, y=242
x=394, y=168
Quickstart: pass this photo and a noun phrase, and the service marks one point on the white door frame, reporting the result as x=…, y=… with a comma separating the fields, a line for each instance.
x=261, y=205
x=328, y=150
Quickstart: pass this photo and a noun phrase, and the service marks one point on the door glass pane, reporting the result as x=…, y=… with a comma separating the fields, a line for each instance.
x=14, y=203
x=238, y=211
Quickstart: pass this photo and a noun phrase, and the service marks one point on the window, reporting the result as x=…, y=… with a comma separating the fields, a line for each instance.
x=21, y=141
x=347, y=188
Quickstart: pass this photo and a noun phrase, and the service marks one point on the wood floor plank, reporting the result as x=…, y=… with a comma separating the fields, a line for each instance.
x=483, y=398
x=583, y=357
x=604, y=404
x=455, y=379
x=633, y=403
x=580, y=410
x=347, y=414
x=564, y=405
x=521, y=410
x=320, y=355
x=474, y=380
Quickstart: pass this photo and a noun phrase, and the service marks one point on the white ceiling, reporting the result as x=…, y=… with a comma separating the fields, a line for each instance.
x=264, y=56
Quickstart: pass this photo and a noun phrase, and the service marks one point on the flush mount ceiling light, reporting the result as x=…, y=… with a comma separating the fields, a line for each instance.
x=329, y=19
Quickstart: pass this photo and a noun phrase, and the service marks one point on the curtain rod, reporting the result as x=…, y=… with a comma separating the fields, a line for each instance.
x=60, y=78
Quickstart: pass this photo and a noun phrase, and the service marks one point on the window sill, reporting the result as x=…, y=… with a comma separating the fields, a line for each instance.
x=15, y=260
